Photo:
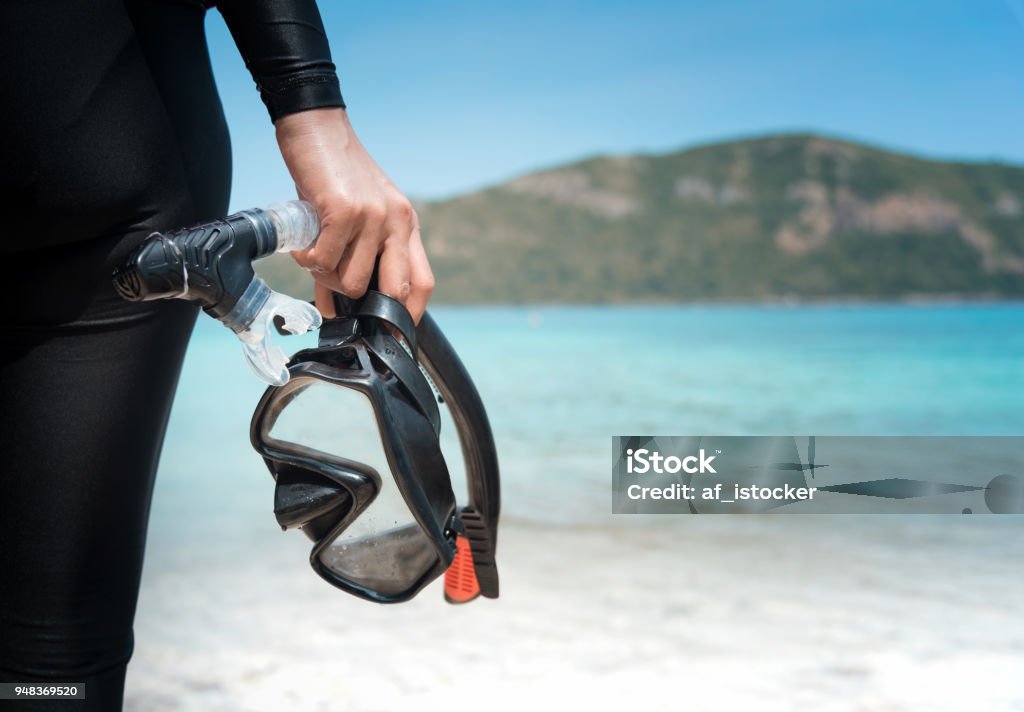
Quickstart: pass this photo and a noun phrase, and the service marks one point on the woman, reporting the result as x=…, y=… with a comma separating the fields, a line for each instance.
x=111, y=129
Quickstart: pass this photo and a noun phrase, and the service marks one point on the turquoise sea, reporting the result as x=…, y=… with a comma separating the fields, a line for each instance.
x=559, y=382
x=765, y=612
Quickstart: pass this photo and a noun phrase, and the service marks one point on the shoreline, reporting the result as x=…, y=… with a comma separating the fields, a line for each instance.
x=950, y=300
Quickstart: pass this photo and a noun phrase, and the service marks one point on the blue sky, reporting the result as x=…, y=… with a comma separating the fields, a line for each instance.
x=452, y=96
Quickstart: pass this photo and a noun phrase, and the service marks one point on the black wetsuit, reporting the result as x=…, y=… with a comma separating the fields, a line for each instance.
x=110, y=128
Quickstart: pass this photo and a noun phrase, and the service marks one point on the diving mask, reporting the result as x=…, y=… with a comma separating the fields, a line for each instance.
x=384, y=527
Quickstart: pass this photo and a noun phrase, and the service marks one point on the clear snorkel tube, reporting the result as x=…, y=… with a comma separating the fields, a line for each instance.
x=211, y=264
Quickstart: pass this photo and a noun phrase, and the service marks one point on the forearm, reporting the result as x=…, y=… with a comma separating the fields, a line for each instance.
x=366, y=224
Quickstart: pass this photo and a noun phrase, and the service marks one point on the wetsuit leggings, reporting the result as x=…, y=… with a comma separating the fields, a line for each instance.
x=110, y=128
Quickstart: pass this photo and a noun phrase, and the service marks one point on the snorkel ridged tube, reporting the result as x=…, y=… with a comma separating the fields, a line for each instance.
x=211, y=264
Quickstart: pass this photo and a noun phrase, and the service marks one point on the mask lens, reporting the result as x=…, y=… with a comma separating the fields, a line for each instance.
x=390, y=562
x=384, y=549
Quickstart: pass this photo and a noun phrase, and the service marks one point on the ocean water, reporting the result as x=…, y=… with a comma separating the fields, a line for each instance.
x=559, y=382
x=753, y=612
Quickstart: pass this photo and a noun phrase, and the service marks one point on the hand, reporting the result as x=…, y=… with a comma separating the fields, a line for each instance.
x=363, y=215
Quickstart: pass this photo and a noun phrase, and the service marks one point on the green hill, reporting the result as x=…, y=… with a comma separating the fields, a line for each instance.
x=777, y=217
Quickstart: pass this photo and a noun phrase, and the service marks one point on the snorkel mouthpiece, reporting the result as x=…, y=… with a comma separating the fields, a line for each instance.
x=211, y=264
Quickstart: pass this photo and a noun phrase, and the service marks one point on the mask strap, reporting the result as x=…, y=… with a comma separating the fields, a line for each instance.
x=389, y=350
x=381, y=306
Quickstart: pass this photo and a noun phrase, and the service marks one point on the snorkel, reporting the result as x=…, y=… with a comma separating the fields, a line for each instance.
x=211, y=264
x=371, y=347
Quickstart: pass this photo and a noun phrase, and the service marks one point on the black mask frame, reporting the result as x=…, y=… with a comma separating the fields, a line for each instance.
x=324, y=494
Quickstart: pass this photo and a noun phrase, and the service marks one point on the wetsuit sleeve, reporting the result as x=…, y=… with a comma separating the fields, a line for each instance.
x=285, y=48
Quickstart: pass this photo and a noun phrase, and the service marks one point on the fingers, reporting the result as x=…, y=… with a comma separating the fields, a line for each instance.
x=395, y=271
x=393, y=277
x=421, y=277
x=323, y=297
x=356, y=267
x=404, y=274
x=385, y=232
x=339, y=225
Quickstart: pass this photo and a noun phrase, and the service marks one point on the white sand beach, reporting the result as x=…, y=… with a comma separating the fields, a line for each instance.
x=767, y=613
x=774, y=612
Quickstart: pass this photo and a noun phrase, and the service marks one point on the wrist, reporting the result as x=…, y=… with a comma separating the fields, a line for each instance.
x=310, y=122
